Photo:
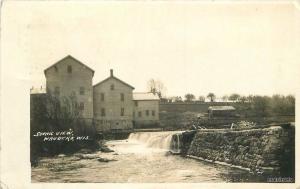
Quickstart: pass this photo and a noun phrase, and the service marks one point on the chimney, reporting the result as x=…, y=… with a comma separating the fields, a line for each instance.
x=111, y=72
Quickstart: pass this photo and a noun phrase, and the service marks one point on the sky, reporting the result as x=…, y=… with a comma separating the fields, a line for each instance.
x=192, y=47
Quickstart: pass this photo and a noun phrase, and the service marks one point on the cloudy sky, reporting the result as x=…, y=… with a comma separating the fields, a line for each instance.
x=191, y=47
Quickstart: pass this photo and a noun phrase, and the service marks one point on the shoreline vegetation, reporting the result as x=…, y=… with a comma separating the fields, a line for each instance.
x=60, y=121
x=65, y=133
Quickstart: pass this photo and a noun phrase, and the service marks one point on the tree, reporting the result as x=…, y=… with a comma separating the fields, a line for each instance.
x=156, y=87
x=243, y=99
x=290, y=103
x=202, y=98
x=176, y=99
x=212, y=96
x=234, y=97
x=283, y=105
x=250, y=98
x=261, y=105
x=225, y=98
x=49, y=113
x=179, y=99
x=189, y=97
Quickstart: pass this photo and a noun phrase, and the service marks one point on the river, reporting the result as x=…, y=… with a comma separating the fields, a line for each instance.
x=143, y=157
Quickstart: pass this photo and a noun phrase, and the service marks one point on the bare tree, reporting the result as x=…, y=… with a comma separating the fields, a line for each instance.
x=189, y=97
x=243, y=99
x=225, y=98
x=212, y=96
x=201, y=98
x=151, y=85
x=156, y=87
x=234, y=97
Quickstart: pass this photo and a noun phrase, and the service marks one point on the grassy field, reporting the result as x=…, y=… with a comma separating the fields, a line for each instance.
x=184, y=120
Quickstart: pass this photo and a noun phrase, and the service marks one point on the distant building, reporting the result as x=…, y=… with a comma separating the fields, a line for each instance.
x=39, y=90
x=71, y=77
x=110, y=104
x=113, y=105
x=221, y=111
x=146, y=109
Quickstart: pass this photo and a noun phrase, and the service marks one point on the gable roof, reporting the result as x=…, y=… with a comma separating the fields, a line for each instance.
x=145, y=96
x=71, y=57
x=113, y=77
x=221, y=108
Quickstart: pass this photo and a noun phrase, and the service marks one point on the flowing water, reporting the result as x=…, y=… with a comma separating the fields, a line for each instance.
x=143, y=157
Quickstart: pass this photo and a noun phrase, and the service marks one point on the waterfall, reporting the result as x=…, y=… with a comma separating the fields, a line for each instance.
x=175, y=143
x=162, y=140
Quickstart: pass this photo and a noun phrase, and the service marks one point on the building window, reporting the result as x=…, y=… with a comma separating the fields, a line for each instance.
x=102, y=97
x=122, y=111
x=136, y=103
x=122, y=97
x=102, y=112
x=133, y=113
x=140, y=114
x=147, y=112
x=81, y=91
x=56, y=91
x=69, y=69
x=153, y=113
x=112, y=87
x=81, y=106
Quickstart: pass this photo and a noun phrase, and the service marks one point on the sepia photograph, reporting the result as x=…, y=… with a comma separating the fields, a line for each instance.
x=155, y=92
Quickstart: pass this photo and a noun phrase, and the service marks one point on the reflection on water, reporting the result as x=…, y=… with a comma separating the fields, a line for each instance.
x=139, y=159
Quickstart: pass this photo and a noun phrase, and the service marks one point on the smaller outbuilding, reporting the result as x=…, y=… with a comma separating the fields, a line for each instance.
x=221, y=111
x=146, y=110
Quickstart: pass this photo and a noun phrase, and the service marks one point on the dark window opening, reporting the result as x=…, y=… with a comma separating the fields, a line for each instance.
x=112, y=87
x=136, y=103
x=140, y=114
x=122, y=97
x=81, y=91
x=69, y=69
x=102, y=96
x=102, y=112
x=147, y=112
x=81, y=106
x=122, y=111
x=153, y=113
x=56, y=91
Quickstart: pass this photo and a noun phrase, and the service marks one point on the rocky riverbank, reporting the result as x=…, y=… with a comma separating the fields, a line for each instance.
x=262, y=150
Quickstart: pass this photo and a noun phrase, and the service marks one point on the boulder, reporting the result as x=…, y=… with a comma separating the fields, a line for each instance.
x=85, y=151
x=105, y=160
x=105, y=149
x=61, y=155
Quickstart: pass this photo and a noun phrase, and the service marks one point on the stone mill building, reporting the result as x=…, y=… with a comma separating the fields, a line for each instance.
x=110, y=104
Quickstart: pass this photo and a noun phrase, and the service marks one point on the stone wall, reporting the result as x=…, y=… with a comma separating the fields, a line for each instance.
x=262, y=150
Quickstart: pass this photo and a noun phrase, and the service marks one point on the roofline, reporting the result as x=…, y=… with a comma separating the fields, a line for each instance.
x=114, y=78
x=146, y=100
x=222, y=109
x=69, y=56
x=142, y=92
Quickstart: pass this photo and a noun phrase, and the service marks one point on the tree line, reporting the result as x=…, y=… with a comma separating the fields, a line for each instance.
x=261, y=105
